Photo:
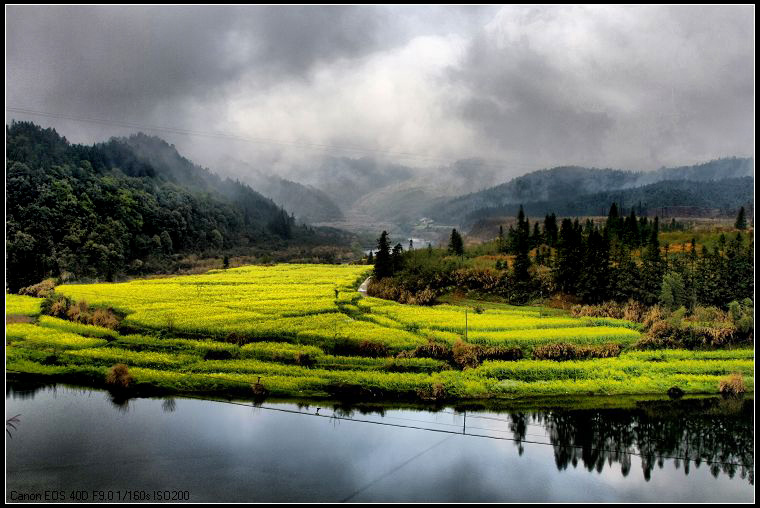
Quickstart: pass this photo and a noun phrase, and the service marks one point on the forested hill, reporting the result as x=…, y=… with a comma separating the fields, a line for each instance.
x=683, y=198
x=122, y=207
x=569, y=183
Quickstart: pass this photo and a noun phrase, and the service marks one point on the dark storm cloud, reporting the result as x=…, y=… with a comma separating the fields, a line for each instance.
x=124, y=61
x=637, y=87
x=535, y=86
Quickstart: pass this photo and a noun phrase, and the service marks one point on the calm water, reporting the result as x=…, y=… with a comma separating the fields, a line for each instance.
x=77, y=441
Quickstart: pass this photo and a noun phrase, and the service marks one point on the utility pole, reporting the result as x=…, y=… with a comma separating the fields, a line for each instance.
x=465, y=324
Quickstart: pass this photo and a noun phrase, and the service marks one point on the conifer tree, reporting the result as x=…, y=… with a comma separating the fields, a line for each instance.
x=741, y=220
x=397, y=258
x=383, y=266
x=550, y=230
x=456, y=245
x=568, y=257
x=653, y=267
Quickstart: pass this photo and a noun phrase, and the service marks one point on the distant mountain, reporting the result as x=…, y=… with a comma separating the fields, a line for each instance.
x=347, y=180
x=374, y=195
x=565, y=184
x=126, y=206
x=720, y=169
x=309, y=204
x=681, y=198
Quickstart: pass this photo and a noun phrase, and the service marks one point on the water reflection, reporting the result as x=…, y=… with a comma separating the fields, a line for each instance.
x=11, y=423
x=716, y=432
x=169, y=405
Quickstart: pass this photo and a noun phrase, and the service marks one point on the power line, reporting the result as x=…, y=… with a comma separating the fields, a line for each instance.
x=247, y=139
x=334, y=416
x=445, y=431
x=420, y=454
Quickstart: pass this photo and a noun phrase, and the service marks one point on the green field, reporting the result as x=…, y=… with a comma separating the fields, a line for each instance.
x=304, y=331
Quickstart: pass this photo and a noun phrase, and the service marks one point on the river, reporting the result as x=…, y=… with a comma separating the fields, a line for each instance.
x=70, y=443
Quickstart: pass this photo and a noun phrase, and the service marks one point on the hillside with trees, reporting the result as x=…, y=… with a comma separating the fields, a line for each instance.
x=680, y=198
x=619, y=259
x=585, y=191
x=125, y=207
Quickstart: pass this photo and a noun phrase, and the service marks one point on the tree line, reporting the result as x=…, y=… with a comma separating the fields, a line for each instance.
x=618, y=259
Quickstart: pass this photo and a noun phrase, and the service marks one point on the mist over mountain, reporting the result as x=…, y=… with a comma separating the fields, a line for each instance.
x=307, y=203
x=558, y=186
x=668, y=198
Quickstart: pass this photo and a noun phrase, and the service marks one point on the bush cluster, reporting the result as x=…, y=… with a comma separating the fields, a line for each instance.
x=62, y=307
x=563, y=352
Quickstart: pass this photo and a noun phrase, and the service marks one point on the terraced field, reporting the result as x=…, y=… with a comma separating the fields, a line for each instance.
x=303, y=330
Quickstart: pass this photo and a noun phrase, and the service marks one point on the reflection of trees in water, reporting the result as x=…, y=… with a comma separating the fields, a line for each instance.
x=717, y=432
x=19, y=389
x=168, y=405
x=119, y=399
x=11, y=423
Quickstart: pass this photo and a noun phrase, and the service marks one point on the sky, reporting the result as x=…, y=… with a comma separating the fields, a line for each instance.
x=518, y=87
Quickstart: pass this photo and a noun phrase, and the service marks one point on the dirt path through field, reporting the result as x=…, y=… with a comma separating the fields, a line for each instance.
x=363, y=288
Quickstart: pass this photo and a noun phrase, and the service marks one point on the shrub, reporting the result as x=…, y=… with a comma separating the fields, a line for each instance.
x=653, y=315
x=436, y=391
x=435, y=350
x=304, y=359
x=105, y=318
x=41, y=290
x=732, y=385
x=634, y=311
x=501, y=353
x=742, y=316
x=606, y=309
x=650, y=343
x=235, y=338
x=119, y=376
x=259, y=391
x=425, y=297
x=373, y=349
x=213, y=354
x=466, y=355
x=78, y=312
x=563, y=352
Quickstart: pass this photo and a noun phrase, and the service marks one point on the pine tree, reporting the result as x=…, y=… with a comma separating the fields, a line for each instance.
x=653, y=267
x=594, y=278
x=456, y=245
x=567, y=264
x=550, y=230
x=631, y=235
x=614, y=224
x=397, y=258
x=383, y=266
x=625, y=275
x=536, y=239
x=741, y=220
x=673, y=293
